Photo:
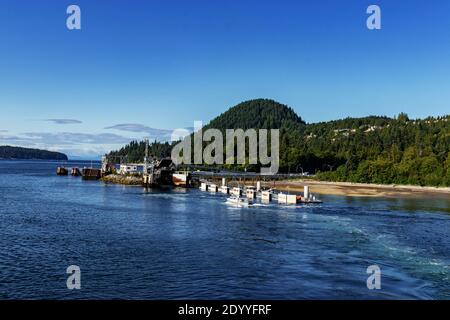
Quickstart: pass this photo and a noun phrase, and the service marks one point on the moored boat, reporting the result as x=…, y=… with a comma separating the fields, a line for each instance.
x=181, y=179
x=75, y=172
x=91, y=173
x=238, y=201
x=62, y=171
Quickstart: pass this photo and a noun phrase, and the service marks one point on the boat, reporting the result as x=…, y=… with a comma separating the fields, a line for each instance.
x=91, y=174
x=75, y=172
x=307, y=197
x=181, y=179
x=312, y=199
x=62, y=171
x=238, y=201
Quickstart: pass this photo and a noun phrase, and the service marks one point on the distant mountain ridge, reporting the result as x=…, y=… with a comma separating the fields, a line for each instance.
x=10, y=152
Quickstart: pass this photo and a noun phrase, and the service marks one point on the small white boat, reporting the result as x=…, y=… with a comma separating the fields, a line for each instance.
x=310, y=200
x=238, y=201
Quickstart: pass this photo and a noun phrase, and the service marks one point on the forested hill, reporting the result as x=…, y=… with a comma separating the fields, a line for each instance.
x=377, y=150
x=374, y=149
x=8, y=152
x=257, y=114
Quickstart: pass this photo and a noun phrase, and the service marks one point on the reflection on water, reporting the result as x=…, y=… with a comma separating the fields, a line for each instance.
x=148, y=244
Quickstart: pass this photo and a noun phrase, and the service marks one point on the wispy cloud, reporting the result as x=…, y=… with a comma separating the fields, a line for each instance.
x=84, y=144
x=76, y=138
x=153, y=133
x=157, y=134
x=71, y=143
x=135, y=127
x=64, y=121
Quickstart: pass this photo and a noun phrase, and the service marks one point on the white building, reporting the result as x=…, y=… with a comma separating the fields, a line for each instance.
x=129, y=168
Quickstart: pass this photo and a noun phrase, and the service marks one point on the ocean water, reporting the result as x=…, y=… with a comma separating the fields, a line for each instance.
x=132, y=243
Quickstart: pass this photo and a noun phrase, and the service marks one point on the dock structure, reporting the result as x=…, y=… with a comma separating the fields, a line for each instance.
x=287, y=198
x=250, y=192
x=236, y=191
x=243, y=177
x=204, y=186
x=306, y=192
x=159, y=173
x=266, y=196
x=225, y=189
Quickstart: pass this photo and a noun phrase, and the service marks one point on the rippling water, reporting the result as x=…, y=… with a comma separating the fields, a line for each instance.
x=185, y=244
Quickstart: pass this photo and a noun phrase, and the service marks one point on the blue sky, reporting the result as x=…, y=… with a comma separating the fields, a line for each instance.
x=138, y=66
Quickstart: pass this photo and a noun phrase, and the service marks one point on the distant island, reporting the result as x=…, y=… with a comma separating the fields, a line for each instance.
x=9, y=152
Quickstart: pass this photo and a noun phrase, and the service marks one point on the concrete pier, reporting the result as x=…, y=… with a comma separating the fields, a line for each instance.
x=266, y=196
x=236, y=191
x=225, y=190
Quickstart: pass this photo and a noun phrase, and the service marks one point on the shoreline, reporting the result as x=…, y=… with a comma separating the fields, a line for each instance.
x=123, y=180
x=349, y=189
x=359, y=189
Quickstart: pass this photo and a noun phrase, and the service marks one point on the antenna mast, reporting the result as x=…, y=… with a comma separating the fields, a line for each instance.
x=146, y=157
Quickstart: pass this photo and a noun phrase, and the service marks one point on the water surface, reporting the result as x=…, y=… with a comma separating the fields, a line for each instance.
x=185, y=244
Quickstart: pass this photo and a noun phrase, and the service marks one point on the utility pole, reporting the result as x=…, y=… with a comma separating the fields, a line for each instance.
x=146, y=157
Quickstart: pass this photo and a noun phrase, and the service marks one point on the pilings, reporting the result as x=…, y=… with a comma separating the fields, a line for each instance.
x=252, y=193
x=225, y=189
x=236, y=191
x=204, y=186
x=266, y=196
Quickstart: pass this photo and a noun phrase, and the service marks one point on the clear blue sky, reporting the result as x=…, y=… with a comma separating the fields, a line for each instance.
x=163, y=64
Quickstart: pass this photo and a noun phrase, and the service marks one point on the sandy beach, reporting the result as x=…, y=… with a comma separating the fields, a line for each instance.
x=359, y=189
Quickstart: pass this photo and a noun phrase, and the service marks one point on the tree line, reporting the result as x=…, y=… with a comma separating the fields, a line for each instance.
x=10, y=152
x=374, y=149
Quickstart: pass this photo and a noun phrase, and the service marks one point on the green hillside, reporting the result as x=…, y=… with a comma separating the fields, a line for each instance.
x=372, y=149
x=257, y=114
